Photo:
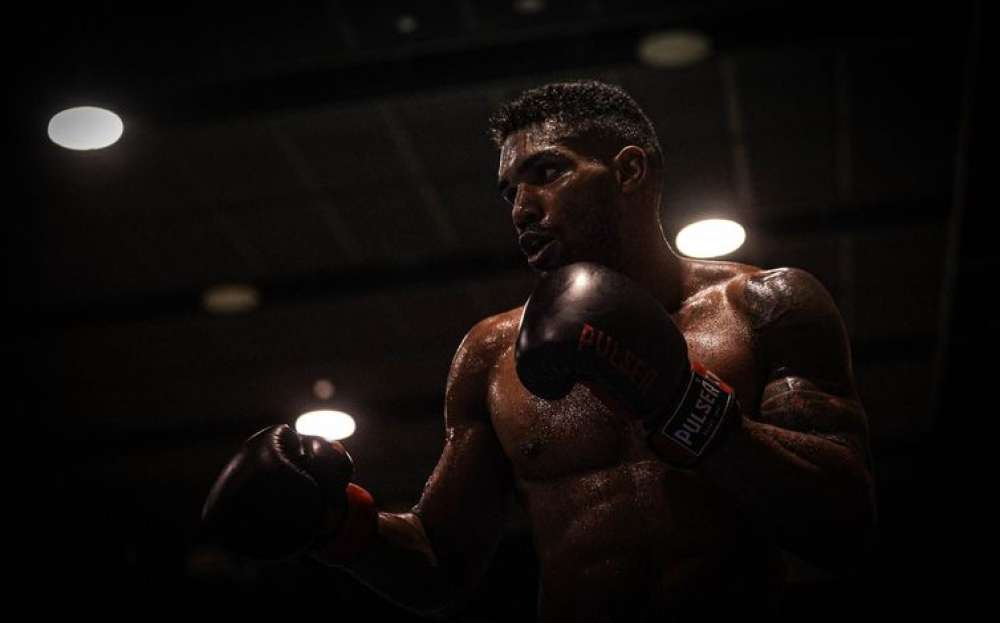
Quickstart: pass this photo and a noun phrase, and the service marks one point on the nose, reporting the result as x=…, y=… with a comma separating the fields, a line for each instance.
x=526, y=209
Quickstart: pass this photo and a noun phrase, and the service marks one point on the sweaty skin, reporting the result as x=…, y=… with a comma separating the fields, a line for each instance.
x=621, y=535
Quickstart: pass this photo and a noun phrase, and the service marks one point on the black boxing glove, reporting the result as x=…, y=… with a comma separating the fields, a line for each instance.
x=585, y=322
x=283, y=494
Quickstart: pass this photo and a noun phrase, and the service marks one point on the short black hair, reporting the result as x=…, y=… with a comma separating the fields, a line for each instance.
x=584, y=110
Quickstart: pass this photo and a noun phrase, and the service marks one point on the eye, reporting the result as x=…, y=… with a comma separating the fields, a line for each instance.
x=550, y=172
x=510, y=195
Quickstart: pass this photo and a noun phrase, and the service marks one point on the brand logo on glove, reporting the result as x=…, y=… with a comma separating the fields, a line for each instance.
x=635, y=369
x=700, y=414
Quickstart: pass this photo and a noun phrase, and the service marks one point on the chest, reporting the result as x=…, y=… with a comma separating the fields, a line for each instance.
x=547, y=440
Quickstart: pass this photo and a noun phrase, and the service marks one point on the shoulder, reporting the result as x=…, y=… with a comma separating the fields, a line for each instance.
x=483, y=346
x=472, y=368
x=714, y=280
x=784, y=298
x=767, y=298
x=797, y=328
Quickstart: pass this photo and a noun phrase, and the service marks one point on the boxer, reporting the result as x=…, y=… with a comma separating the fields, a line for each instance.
x=669, y=425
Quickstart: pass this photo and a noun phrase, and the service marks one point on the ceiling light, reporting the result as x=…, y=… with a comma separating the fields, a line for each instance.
x=85, y=127
x=529, y=7
x=710, y=238
x=673, y=48
x=328, y=424
x=230, y=299
x=324, y=389
x=407, y=24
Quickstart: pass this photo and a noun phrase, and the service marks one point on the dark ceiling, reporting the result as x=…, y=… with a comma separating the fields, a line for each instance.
x=342, y=167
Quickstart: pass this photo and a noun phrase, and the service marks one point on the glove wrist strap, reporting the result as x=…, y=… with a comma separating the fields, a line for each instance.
x=700, y=421
x=356, y=531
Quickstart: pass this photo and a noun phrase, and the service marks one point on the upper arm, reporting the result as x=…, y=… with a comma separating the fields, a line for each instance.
x=802, y=346
x=464, y=505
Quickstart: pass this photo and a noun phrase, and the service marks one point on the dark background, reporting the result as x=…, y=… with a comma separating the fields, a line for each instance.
x=342, y=167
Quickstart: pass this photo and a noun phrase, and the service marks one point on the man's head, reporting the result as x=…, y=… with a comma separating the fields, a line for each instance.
x=581, y=167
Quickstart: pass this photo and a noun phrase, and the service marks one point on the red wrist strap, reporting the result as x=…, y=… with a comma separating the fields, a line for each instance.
x=358, y=528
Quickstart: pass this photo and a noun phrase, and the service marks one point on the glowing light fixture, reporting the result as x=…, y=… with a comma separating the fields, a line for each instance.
x=529, y=7
x=673, y=48
x=710, y=238
x=407, y=24
x=324, y=389
x=85, y=128
x=328, y=424
x=230, y=299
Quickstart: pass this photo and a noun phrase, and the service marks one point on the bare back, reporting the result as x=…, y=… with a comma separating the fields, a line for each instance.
x=621, y=535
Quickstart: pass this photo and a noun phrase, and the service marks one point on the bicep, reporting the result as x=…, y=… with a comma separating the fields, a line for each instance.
x=467, y=498
x=799, y=404
x=803, y=347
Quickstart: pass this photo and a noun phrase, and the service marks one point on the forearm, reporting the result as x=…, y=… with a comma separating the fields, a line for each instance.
x=814, y=492
x=400, y=565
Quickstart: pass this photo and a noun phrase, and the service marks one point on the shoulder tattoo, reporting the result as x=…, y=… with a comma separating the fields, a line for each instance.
x=769, y=297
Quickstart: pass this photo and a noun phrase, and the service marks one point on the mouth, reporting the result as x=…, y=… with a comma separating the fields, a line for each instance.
x=540, y=249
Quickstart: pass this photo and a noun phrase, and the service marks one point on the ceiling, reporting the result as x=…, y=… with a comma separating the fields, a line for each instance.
x=341, y=166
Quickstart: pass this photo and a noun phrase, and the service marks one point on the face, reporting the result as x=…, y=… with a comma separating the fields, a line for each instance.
x=563, y=202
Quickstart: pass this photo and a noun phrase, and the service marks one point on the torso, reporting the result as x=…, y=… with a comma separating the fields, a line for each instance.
x=621, y=535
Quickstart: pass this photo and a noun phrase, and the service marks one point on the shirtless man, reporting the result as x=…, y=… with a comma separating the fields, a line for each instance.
x=625, y=528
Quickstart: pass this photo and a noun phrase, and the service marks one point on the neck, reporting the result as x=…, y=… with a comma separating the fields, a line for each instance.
x=648, y=260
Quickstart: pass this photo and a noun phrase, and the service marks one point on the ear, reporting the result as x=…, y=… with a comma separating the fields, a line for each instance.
x=631, y=167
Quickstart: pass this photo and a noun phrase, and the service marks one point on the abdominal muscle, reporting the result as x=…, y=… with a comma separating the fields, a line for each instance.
x=621, y=535
x=634, y=541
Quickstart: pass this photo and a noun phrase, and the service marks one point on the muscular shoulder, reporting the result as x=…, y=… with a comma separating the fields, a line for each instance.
x=708, y=282
x=797, y=327
x=785, y=297
x=485, y=342
x=475, y=359
x=769, y=300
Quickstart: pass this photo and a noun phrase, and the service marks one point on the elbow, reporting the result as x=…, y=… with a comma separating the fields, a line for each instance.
x=854, y=551
x=856, y=516
x=845, y=541
x=456, y=584
x=842, y=538
x=848, y=554
x=445, y=611
x=863, y=522
x=432, y=597
x=444, y=605
x=841, y=550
